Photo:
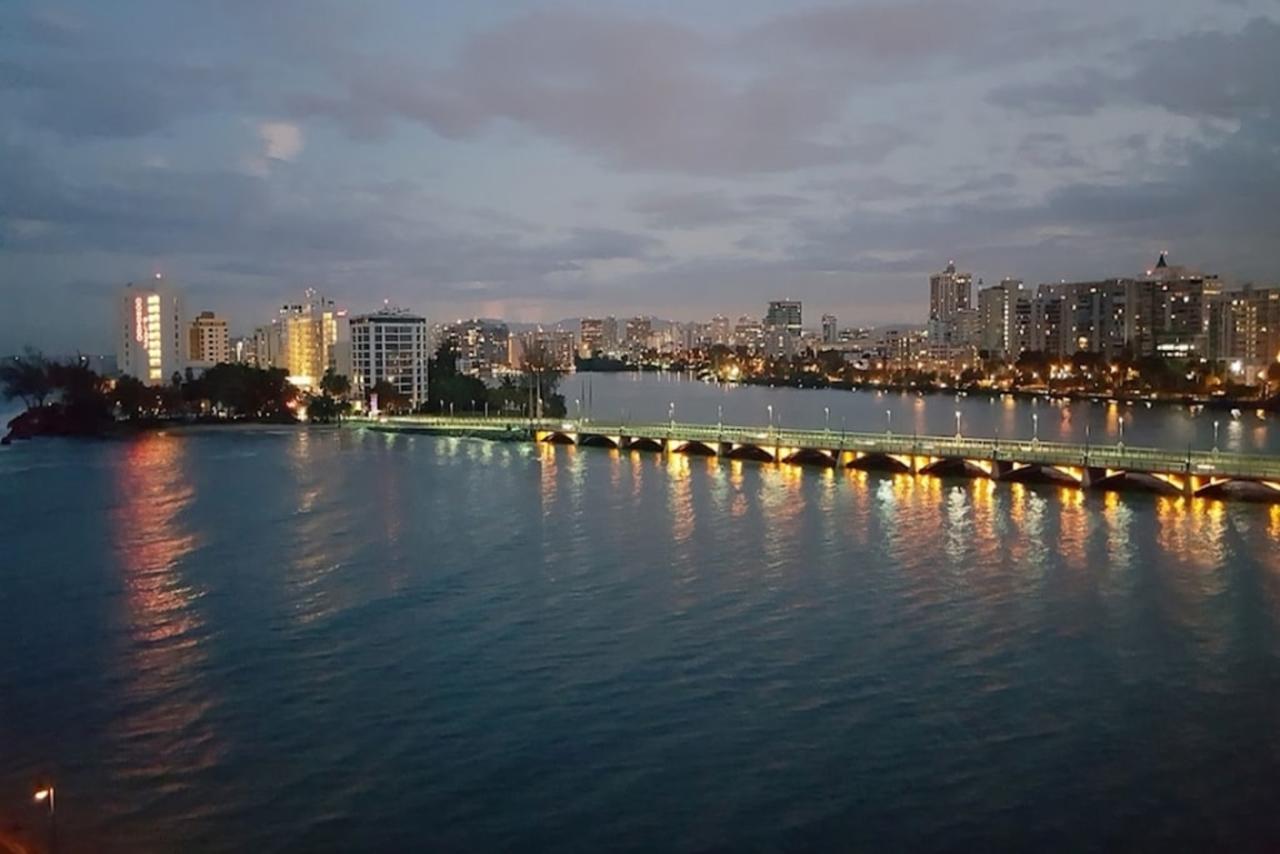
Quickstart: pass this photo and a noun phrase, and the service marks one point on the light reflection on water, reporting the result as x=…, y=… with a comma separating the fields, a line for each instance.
x=484, y=644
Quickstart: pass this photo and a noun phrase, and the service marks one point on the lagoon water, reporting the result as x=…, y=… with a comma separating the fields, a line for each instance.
x=336, y=640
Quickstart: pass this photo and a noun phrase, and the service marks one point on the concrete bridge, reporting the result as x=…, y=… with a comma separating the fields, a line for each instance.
x=1113, y=466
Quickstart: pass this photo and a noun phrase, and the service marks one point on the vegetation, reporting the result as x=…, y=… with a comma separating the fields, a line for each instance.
x=68, y=398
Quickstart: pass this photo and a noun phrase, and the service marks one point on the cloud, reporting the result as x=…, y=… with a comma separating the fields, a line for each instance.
x=281, y=140
x=1208, y=74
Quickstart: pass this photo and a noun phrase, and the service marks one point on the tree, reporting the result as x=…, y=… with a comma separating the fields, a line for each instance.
x=323, y=409
x=334, y=384
x=131, y=397
x=542, y=375
x=26, y=377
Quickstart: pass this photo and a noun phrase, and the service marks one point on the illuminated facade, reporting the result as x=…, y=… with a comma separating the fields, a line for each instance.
x=150, y=345
x=309, y=332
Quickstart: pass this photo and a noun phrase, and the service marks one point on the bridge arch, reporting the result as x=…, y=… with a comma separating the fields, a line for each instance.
x=810, y=457
x=879, y=462
x=643, y=443
x=695, y=449
x=750, y=452
x=597, y=440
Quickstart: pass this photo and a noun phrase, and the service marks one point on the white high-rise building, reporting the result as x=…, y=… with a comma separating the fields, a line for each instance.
x=391, y=345
x=150, y=331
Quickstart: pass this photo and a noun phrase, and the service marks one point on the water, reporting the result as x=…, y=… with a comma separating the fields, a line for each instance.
x=334, y=640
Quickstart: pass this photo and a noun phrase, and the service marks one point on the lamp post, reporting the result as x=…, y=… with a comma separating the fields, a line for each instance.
x=1035, y=428
x=45, y=796
x=888, y=422
x=671, y=414
x=826, y=411
x=957, y=423
x=1215, y=436
x=770, y=408
x=1120, y=421
x=720, y=418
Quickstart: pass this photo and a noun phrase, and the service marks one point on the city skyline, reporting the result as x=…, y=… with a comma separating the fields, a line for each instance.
x=548, y=162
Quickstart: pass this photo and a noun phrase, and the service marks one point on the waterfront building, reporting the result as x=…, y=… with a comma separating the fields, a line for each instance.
x=609, y=334
x=749, y=333
x=1004, y=319
x=786, y=315
x=391, y=345
x=1244, y=332
x=208, y=341
x=309, y=330
x=150, y=332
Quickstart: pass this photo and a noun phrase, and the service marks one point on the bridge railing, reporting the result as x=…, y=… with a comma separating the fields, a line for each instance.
x=1115, y=456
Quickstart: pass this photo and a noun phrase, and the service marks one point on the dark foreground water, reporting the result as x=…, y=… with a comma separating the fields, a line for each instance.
x=293, y=640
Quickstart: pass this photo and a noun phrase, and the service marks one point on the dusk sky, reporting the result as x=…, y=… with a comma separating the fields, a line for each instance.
x=536, y=161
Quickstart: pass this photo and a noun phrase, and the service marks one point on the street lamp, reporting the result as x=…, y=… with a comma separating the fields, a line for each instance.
x=1215, y=436
x=45, y=796
x=1120, y=421
x=770, y=407
x=671, y=413
x=826, y=411
x=720, y=417
x=888, y=421
x=957, y=423
x=1035, y=427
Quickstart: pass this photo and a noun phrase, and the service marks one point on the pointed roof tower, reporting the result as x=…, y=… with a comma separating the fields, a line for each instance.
x=1161, y=264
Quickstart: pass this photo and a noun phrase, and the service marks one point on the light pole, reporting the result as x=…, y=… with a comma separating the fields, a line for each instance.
x=1215, y=436
x=888, y=422
x=770, y=408
x=45, y=796
x=720, y=418
x=1035, y=428
x=671, y=414
x=577, y=404
x=826, y=411
x=1120, y=421
x=957, y=423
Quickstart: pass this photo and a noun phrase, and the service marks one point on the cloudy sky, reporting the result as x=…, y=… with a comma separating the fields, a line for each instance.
x=542, y=160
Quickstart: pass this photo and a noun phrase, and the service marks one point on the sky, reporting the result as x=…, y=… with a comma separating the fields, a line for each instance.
x=537, y=161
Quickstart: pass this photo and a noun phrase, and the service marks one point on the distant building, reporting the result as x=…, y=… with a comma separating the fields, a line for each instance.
x=830, y=329
x=390, y=345
x=591, y=336
x=784, y=314
x=151, y=335
x=208, y=341
x=639, y=330
x=748, y=332
x=482, y=345
x=1004, y=319
x=267, y=347
x=556, y=347
x=949, y=293
x=1245, y=331
x=721, y=330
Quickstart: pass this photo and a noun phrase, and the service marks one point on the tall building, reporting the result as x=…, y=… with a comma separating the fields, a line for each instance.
x=151, y=335
x=309, y=331
x=1004, y=318
x=390, y=345
x=556, y=347
x=721, y=330
x=748, y=332
x=267, y=349
x=638, y=331
x=830, y=329
x=1172, y=317
x=1245, y=332
x=208, y=341
x=590, y=336
x=949, y=293
x=481, y=344
x=784, y=314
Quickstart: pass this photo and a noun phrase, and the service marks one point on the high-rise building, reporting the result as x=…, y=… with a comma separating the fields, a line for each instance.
x=553, y=349
x=830, y=329
x=609, y=334
x=748, y=332
x=1245, y=331
x=590, y=336
x=390, y=345
x=150, y=343
x=309, y=331
x=1004, y=318
x=784, y=314
x=481, y=344
x=267, y=349
x=949, y=293
x=639, y=329
x=721, y=330
x=208, y=341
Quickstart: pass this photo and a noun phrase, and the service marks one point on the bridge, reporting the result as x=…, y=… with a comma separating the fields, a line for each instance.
x=1090, y=466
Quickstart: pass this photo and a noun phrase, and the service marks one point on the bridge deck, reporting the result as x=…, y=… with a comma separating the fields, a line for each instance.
x=1206, y=464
